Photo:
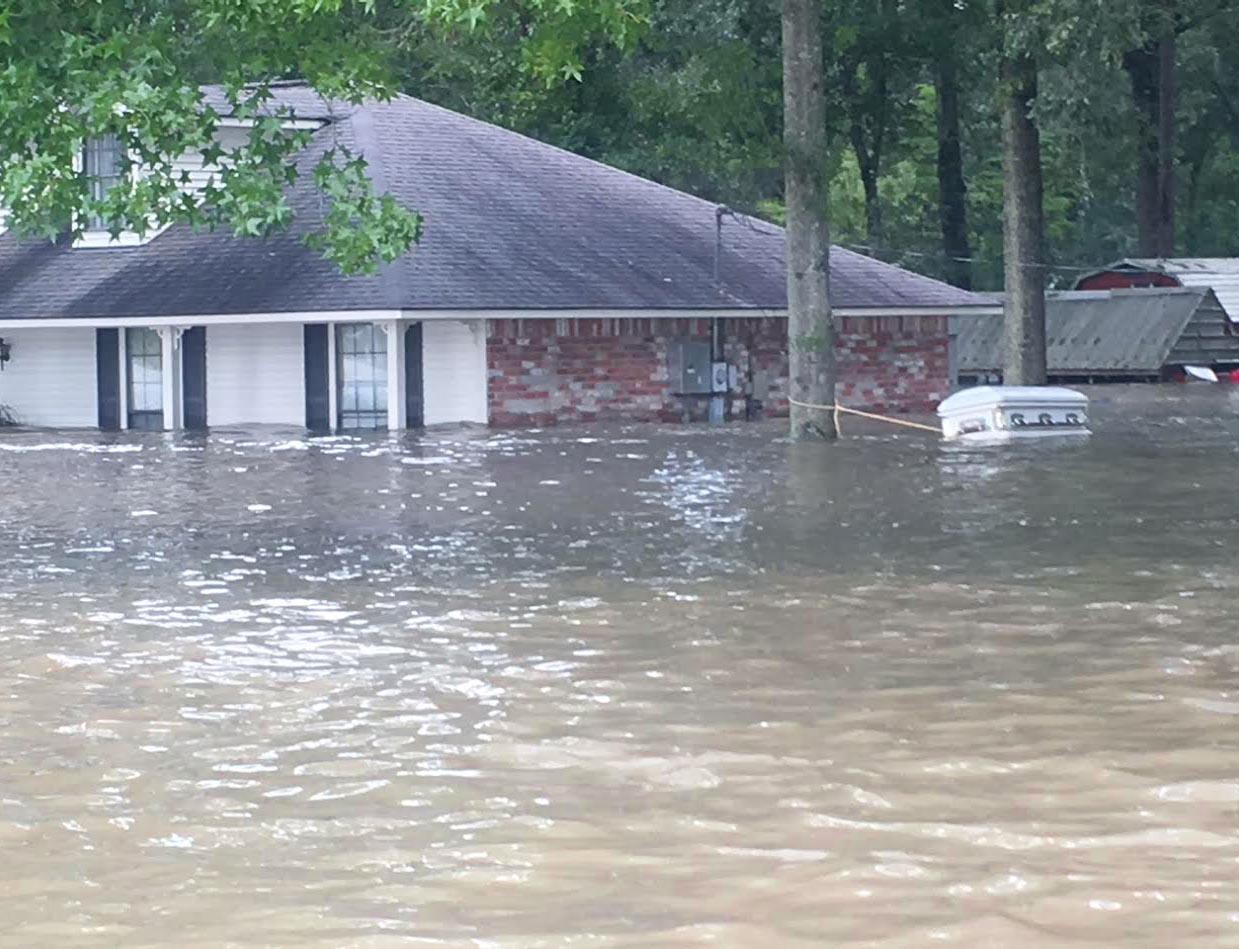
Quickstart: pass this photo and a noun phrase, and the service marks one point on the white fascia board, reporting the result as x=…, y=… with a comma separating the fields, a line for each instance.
x=307, y=124
x=211, y=319
x=986, y=310
x=94, y=240
x=375, y=316
x=732, y=313
x=585, y=314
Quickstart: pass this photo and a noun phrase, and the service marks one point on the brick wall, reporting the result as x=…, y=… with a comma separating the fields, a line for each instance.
x=544, y=371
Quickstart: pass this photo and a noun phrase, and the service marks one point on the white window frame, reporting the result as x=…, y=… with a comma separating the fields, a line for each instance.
x=94, y=237
x=355, y=418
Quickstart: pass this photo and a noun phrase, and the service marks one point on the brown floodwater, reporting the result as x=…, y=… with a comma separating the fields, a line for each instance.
x=624, y=686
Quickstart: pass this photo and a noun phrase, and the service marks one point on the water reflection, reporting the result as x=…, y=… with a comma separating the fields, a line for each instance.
x=624, y=686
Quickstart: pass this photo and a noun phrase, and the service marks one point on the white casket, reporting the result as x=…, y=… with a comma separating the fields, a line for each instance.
x=1006, y=413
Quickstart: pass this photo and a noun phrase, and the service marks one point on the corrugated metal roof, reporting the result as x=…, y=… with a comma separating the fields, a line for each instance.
x=1095, y=331
x=1219, y=274
x=1177, y=265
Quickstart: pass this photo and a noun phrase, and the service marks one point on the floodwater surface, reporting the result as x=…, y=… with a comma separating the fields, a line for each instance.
x=623, y=686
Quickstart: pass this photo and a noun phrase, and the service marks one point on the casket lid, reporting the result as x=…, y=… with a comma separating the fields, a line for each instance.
x=988, y=397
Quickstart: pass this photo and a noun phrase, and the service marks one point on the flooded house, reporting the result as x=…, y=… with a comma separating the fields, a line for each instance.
x=1123, y=335
x=547, y=288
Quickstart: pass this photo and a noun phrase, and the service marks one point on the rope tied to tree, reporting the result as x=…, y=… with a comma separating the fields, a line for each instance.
x=838, y=409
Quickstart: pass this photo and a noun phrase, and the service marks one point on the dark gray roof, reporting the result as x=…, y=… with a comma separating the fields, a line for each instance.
x=1098, y=332
x=511, y=223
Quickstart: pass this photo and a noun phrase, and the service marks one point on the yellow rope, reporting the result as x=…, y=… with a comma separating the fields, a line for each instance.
x=837, y=408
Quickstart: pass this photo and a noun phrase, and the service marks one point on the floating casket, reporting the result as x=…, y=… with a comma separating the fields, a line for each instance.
x=1007, y=413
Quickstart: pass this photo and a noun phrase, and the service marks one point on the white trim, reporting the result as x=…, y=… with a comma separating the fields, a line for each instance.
x=189, y=319
x=228, y=122
x=170, y=369
x=376, y=316
x=333, y=382
x=124, y=379
x=690, y=314
x=987, y=310
x=93, y=240
x=396, y=402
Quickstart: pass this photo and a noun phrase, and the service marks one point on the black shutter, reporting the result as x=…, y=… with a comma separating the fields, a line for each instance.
x=317, y=379
x=107, y=377
x=193, y=377
x=414, y=405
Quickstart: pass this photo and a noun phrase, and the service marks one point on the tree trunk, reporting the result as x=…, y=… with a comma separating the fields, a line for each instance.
x=869, y=181
x=810, y=327
x=1022, y=224
x=952, y=191
x=1151, y=72
x=867, y=143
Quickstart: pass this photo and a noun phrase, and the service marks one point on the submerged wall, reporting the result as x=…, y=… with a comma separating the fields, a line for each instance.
x=255, y=374
x=50, y=379
x=546, y=371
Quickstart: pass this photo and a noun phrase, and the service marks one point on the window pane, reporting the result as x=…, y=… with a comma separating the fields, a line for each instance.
x=145, y=376
x=101, y=162
x=362, y=375
x=147, y=398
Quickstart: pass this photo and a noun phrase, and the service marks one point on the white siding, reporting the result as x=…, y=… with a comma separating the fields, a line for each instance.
x=255, y=374
x=454, y=371
x=198, y=170
x=50, y=379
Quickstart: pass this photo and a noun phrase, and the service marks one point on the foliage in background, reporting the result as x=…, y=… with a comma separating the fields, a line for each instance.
x=683, y=91
x=696, y=106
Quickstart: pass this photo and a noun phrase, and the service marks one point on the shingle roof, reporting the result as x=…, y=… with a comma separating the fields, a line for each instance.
x=1099, y=331
x=511, y=224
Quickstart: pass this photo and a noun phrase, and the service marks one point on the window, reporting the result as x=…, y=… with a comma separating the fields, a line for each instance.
x=145, y=363
x=361, y=373
x=102, y=163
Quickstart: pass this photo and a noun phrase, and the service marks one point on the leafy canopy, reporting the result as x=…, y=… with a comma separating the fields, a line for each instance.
x=72, y=70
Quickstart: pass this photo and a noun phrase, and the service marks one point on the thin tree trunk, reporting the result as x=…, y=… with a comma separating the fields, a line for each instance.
x=869, y=181
x=868, y=149
x=952, y=191
x=810, y=327
x=1022, y=227
x=1166, y=105
x=1151, y=72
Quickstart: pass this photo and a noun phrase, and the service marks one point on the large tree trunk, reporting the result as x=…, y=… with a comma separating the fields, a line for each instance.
x=1022, y=225
x=1151, y=71
x=952, y=191
x=810, y=327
